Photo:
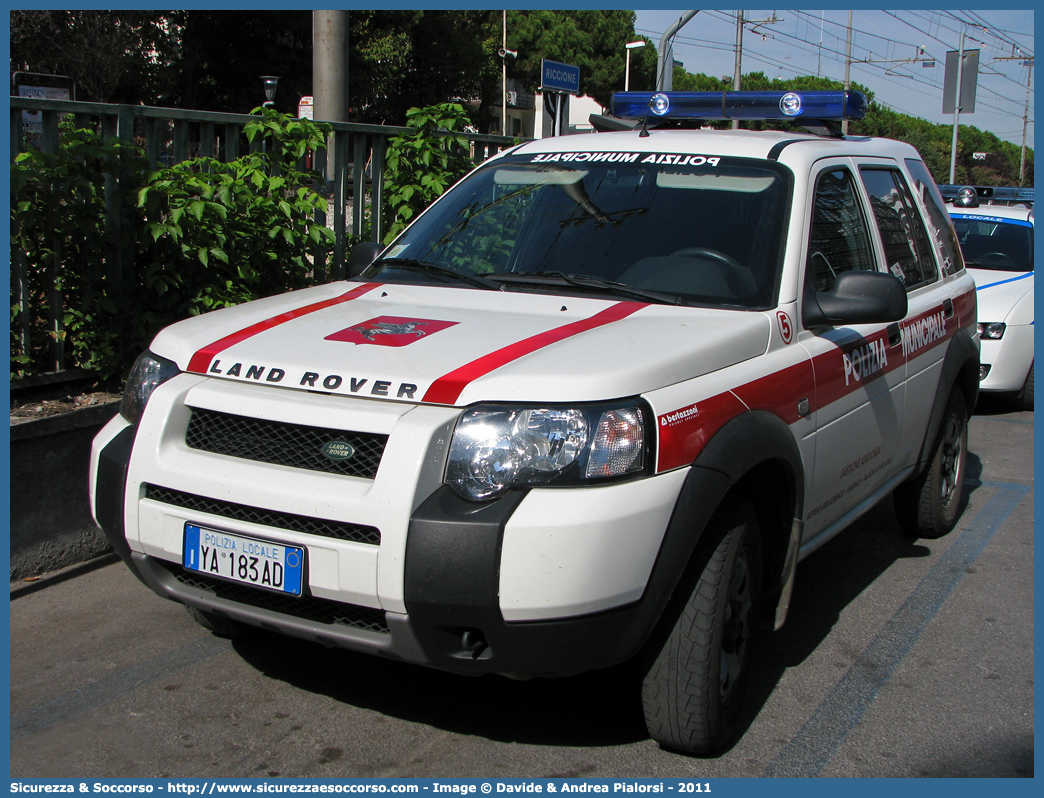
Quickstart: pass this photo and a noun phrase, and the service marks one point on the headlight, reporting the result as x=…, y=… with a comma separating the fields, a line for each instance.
x=495, y=448
x=149, y=372
x=991, y=330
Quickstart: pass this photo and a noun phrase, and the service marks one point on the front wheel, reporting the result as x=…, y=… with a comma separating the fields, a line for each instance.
x=928, y=505
x=693, y=693
x=1025, y=397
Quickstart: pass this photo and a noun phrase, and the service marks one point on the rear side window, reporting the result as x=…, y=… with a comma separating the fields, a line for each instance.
x=938, y=217
x=907, y=250
x=839, y=240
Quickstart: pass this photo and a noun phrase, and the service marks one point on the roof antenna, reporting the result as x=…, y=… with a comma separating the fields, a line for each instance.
x=644, y=132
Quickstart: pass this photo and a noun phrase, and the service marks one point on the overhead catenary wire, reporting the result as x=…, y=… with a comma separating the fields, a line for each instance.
x=897, y=74
x=862, y=62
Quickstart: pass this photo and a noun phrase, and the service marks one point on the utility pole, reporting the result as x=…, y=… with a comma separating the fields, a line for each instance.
x=737, y=69
x=956, y=110
x=737, y=78
x=1025, y=122
x=503, y=68
x=819, y=57
x=504, y=54
x=848, y=68
x=1026, y=62
x=330, y=65
x=330, y=90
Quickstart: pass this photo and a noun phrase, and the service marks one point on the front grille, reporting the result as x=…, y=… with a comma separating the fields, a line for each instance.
x=293, y=445
x=308, y=608
x=256, y=515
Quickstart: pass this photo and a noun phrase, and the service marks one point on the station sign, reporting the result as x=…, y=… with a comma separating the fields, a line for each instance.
x=559, y=77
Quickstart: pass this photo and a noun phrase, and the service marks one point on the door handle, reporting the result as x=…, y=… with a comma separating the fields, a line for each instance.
x=948, y=307
x=895, y=335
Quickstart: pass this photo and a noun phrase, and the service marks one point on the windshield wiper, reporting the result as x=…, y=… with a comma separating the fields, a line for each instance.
x=438, y=270
x=584, y=281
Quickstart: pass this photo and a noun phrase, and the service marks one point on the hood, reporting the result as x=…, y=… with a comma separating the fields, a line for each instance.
x=457, y=346
x=999, y=293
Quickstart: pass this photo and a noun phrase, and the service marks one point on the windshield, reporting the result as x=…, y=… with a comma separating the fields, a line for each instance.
x=995, y=243
x=676, y=228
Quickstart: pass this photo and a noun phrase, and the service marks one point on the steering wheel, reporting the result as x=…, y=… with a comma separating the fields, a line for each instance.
x=996, y=260
x=736, y=274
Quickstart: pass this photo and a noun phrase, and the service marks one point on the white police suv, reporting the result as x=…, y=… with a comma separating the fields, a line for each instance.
x=997, y=242
x=593, y=406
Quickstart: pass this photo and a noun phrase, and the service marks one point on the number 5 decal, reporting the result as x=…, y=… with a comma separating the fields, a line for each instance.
x=786, y=327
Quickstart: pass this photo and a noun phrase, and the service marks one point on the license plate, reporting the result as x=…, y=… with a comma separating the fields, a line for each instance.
x=241, y=559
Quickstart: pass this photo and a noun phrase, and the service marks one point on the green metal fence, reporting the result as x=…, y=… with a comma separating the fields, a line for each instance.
x=354, y=174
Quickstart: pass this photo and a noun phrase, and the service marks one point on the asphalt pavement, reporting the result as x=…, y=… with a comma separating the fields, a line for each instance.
x=899, y=659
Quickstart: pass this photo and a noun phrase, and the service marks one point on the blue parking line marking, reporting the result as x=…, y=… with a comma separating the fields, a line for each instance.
x=826, y=729
x=1026, y=422
x=106, y=690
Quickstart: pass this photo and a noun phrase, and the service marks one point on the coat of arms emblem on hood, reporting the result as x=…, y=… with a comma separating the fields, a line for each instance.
x=390, y=331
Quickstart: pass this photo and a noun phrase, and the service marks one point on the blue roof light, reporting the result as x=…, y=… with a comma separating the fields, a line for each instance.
x=659, y=104
x=792, y=105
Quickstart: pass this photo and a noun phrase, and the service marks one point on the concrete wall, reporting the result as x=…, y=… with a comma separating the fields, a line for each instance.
x=51, y=523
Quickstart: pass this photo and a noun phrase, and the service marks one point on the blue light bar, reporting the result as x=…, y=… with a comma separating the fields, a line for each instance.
x=995, y=194
x=793, y=105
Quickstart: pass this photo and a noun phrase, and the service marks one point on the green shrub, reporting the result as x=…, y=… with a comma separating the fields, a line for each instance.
x=422, y=165
x=58, y=232
x=206, y=235
x=218, y=234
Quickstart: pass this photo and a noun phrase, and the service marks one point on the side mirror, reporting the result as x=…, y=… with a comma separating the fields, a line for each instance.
x=856, y=298
x=363, y=254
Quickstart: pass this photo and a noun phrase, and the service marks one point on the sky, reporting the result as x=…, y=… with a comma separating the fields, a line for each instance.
x=882, y=44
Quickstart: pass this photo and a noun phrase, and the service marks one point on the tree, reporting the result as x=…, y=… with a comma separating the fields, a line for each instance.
x=412, y=59
x=114, y=56
x=225, y=53
x=591, y=40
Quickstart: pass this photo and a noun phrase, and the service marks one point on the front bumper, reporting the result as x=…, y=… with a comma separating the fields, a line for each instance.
x=540, y=582
x=1009, y=360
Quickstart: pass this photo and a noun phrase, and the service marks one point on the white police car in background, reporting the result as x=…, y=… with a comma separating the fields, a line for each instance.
x=997, y=242
x=593, y=406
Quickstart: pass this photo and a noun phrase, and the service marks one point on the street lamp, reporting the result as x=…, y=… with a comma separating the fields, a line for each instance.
x=627, y=72
x=269, y=82
x=505, y=54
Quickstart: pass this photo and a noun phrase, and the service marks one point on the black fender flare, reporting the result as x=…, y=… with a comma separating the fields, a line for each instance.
x=960, y=368
x=749, y=440
x=746, y=442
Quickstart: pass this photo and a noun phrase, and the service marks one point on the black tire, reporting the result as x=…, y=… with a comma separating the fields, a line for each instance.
x=1026, y=394
x=218, y=624
x=693, y=692
x=928, y=505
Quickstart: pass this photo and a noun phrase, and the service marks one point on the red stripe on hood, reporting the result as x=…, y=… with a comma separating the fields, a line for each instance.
x=448, y=388
x=200, y=361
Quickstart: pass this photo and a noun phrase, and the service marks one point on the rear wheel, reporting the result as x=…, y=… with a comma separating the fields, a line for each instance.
x=693, y=693
x=928, y=505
